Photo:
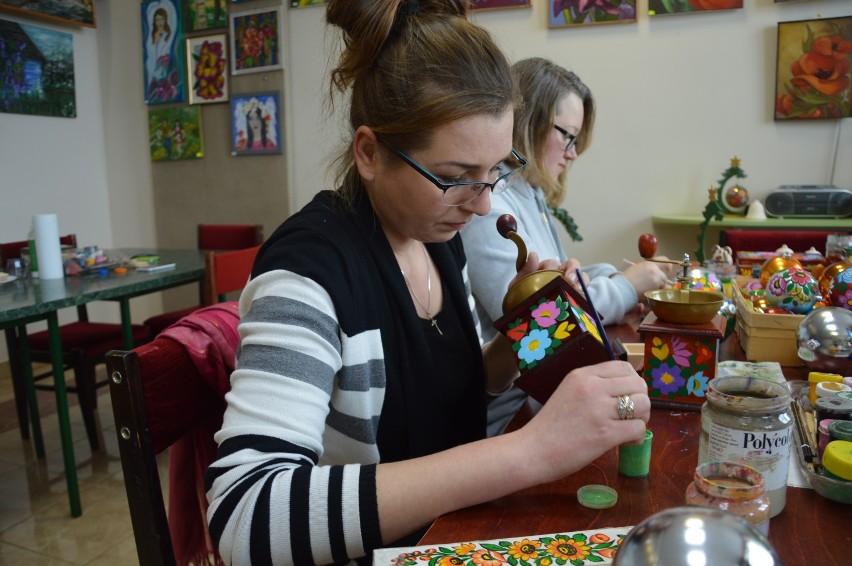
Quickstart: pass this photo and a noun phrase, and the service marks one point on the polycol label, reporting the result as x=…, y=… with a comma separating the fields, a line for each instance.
x=766, y=451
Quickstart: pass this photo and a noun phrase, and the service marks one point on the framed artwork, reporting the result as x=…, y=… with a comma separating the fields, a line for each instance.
x=36, y=71
x=256, y=41
x=813, y=69
x=175, y=133
x=255, y=124
x=74, y=12
x=301, y=3
x=205, y=14
x=207, y=62
x=497, y=4
x=657, y=7
x=163, y=52
x=566, y=13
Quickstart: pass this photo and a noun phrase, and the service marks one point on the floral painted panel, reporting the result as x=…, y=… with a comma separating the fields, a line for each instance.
x=577, y=549
x=564, y=13
x=813, y=76
x=656, y=7
x=678, y=366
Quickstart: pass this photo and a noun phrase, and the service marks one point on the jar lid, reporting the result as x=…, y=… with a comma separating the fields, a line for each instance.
x=831, y=388
x=729, y=480
x=837, y=459
x=840, y=430
x=596, y=496
x=834, y=405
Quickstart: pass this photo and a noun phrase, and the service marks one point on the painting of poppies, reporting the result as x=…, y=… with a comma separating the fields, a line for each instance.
x=497, y=4
x=175, y=133
x=207, y=61
x=813, y=75
x=564, y=13
x=256, y=41
x=657, y=7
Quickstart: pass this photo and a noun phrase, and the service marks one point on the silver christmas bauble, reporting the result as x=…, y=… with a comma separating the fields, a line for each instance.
x=824, y=340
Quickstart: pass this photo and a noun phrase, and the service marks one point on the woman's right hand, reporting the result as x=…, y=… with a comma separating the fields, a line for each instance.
x=647, y=276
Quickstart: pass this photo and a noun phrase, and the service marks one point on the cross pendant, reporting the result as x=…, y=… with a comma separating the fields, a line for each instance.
x=435, y=325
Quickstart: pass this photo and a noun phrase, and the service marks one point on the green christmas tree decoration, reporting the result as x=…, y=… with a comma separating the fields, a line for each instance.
x=715, y=209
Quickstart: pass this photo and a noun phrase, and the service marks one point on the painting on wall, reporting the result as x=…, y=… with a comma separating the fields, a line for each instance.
x=657, y=7
x=255, y=124
x=175, y=133
x=75, y=12
x=813, y=72
x=163, y=52
x=36, y=71
x=497, y=4
x=256, y=41
x=301, y=3
x=205, y=14
x=207, y=62
x=566, y=13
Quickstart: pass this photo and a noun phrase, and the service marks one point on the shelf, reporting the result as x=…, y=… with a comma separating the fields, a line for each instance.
x=736, y=221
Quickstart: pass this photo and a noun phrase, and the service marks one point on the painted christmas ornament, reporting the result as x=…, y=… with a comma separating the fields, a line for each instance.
x=840, y=290
x=794, y=289
x=736, y=198
x=829, y=274
x=703, y=279
x=774, y=265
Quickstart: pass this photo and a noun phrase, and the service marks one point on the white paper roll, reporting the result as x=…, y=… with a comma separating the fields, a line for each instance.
x=48, y=251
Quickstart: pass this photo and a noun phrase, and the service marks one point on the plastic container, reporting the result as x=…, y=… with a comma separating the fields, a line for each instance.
x=734, y=488
x=747, y=421
x=837, y=460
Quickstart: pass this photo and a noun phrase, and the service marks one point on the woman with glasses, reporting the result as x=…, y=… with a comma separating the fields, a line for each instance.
x=553, y=128
x=357, y=411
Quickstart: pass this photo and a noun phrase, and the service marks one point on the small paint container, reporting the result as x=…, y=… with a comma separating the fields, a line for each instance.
x=840, y=430
x=833, y=408
x=837, y=461
x=735, y=488
x=831, y=388
x=596, y=496
x=822, y=435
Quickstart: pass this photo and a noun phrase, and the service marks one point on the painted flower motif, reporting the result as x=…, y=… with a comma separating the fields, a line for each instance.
x=524, y=550
x=680, y=352
x=820, y=69
x=608, y=552
x=534, y=347
x=659, y=348
x=697, y=384
x=564, y=330
x=488, y=558
x=210, y=72
x=667, y=379
x=588, y=324
x=546, y=314
x=569, y=549
x=450, y=561
x=464, y=549
x=519, y=331
x=845, y=300
x=716, y=4
x=703, y=354
x=599, y=538
x=777, y=286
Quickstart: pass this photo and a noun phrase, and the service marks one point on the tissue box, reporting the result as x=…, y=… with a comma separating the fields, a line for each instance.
x=552, y=332
x=766, y=337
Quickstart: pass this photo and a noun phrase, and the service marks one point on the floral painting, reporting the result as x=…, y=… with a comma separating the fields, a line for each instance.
x=75, y=12
x=207, y=62
x=256, y=41
x=255, y=124
x=582, y=548
x=36, y=71
x=497, y=4
x=679, y=366
x=812, y=75
x=656, y=7
x=565, y=13
x=205, y=14
x=175, y=133
x=163, y=52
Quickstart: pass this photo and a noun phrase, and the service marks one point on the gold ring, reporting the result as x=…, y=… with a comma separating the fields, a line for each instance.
x=625, y=407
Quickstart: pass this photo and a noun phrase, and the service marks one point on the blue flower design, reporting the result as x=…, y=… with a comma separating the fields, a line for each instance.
x=534, y=346
x=697, y=384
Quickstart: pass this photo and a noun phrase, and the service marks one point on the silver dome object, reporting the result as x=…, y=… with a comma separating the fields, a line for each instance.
x=695, y=536
x=824, y=340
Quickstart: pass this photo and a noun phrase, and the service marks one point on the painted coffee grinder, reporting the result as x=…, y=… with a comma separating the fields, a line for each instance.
x=553, y=328
x=681, y=335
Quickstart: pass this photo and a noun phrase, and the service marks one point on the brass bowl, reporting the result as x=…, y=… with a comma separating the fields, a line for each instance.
x=527, y=286
x=684, y=307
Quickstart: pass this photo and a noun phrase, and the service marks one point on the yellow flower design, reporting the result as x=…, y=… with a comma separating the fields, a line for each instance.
x=660, y=349
x=569, y=549
x=524, y=550
x=564, y=330
x=450, y=561
x=464, y=549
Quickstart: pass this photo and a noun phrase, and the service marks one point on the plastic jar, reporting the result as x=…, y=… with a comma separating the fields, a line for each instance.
x=734, y=488
x=837, y=460
x=747, y=421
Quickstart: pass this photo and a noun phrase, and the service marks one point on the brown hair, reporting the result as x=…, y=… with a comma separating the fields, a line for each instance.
x=543, y=85
x=413, y=65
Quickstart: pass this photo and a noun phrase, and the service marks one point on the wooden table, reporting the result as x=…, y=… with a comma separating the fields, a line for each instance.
x=810, y=529
x=25, y=301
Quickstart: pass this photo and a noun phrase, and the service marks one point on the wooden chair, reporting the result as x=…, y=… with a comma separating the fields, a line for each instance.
x=212, y=238
x=224, y=272
x=84, y=347
x=161, y=398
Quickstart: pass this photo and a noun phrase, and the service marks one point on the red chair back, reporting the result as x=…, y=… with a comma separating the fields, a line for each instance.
x=229, y=236
x=227, y=272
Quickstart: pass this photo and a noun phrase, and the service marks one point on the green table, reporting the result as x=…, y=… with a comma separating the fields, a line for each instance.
x=24, y=301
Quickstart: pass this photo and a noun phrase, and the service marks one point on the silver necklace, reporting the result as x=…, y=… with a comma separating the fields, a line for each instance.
x=428, y=307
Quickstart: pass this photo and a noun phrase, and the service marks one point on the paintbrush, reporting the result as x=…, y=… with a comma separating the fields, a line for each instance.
x=596, y=318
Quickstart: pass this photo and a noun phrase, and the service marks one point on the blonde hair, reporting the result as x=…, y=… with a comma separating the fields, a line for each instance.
x=413, y=65
x=543, y=85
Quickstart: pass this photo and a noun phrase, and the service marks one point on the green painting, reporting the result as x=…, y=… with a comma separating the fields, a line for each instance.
x=175, y=133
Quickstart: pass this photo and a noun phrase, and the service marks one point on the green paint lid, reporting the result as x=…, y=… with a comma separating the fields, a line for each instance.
x=840, y=430
x=596, y=496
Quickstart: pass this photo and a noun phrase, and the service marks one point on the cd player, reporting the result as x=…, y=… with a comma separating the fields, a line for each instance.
x=809, y=201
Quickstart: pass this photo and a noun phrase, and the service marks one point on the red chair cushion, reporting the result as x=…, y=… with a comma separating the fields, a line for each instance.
x=91, y=338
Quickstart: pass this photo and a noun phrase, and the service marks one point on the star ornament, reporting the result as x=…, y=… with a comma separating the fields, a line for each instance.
x=735, y=162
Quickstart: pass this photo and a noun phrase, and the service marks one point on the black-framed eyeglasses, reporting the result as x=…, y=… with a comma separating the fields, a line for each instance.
x=570, y=139
x=463, y=192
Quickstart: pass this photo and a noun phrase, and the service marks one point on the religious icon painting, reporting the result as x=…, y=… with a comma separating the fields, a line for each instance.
x=203, y=15
x=175, y=133
x=498, y=4
x=207, y=63
x=813, y=72
x=256, y=41
x=658, y=7
x=568, y=13
x=163, y=52
x=255, y=124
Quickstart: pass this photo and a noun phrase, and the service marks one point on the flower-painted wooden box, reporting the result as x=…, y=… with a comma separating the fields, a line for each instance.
x=552, y=332
x=679, y=360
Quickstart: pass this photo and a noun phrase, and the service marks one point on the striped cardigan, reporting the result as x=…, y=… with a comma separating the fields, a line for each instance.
x=326, y=321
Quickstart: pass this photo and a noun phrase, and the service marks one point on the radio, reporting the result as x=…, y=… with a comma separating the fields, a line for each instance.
x=803, y=201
